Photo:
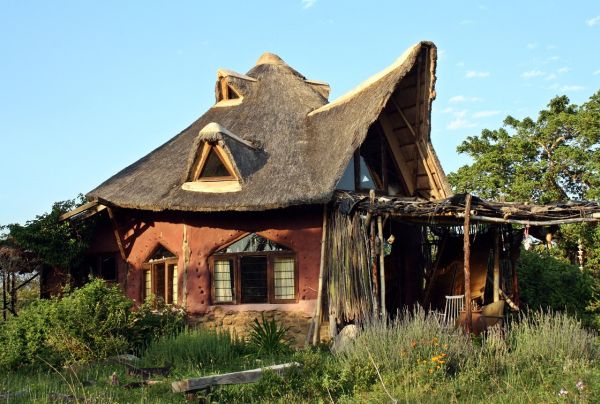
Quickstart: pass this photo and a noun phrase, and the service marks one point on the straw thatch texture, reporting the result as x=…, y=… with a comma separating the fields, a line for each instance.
x=348, y=262
x=301, y=147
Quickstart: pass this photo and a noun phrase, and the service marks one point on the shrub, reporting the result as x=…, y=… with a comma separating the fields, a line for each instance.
x=547, y=282
x=24, y=339
x=154, y=319
x=92, y=322
x=268, y=337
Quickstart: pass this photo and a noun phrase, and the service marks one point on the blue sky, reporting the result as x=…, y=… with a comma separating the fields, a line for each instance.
x=87, y=88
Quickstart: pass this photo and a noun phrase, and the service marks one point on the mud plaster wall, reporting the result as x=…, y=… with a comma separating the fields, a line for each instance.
x=296, y=228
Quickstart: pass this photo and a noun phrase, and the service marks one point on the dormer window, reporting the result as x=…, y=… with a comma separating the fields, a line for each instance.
x=212, y=165
x=212, y=171
x=226, y=91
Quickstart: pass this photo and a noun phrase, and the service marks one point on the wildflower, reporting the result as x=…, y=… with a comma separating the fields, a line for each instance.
x=580, y=386
x=563, y=392
x=413, y=343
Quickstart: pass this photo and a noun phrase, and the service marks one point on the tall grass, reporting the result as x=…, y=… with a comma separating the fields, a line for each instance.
x=196, y=349
x=532, y=359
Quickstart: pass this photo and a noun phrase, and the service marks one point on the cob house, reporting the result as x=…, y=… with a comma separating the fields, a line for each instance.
x=316, y=213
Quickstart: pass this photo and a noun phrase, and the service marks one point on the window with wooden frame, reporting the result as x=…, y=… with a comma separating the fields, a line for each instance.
x=212, y=171
x=225, y=91
x=160, y=276
x=254, y=270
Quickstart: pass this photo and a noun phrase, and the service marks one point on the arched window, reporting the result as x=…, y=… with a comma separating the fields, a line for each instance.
x=160, y=276
x=254, y=270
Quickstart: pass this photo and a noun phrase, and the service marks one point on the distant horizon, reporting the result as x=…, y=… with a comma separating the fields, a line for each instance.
x=88, y=89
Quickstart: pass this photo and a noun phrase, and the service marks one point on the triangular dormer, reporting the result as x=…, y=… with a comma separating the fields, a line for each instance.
x=218, y=161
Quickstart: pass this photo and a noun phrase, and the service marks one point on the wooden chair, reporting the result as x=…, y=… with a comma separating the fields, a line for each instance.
x=454, y=305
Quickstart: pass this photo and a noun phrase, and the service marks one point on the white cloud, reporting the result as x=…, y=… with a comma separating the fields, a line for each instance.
x=563, y=70
x=550, y=46
x=532, y=45
x=593, y=21
x=553, y=58
x=447, y=110
x=460, y=64
x=485, y=114
x=462, y=98
x=551, y=76
x=441, y=54
x=597, y=72
x=460, y=121
x=308, y=3
x=572, y=88
x=532, y=73
x=472, y=73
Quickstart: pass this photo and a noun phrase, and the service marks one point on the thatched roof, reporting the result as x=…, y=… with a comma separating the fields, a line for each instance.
x=289, y=145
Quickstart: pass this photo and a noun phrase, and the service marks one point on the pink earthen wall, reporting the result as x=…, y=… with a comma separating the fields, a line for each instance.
x=297, y=228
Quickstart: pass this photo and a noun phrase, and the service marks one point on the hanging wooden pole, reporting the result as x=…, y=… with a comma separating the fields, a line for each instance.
x=375, y=281
x=497, y=264
x=381, y=264
x=4, y=302
x=316, y=323
x=467, y=264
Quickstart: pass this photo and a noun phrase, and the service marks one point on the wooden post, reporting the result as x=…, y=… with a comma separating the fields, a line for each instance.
x=497, y=264
x=4, y=303
x=381, y=265
x=467, y=264
x=373, y=253
x=118, y=238
x=185, y=250
x=316, y=323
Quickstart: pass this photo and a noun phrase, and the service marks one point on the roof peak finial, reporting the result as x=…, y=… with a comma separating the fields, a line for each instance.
x=269, y=58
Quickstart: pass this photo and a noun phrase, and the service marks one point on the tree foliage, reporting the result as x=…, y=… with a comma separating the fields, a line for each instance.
x=55, y=243
x=553, y=158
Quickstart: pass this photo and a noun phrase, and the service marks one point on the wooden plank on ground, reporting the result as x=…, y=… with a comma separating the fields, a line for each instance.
x=243, y=377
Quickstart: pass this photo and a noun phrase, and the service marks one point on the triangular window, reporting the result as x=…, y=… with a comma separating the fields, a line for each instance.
x=213, y=165
x=252, y=243
x=226, y=91
x=161, y=253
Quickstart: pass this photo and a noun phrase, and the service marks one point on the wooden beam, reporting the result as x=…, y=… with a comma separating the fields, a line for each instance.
x=496, y=292
x=117, y=233
x=185, y=250
x=424, y=156
x=316, y=323
x=467, y=264
x=246, y=376
x=418, y=97
x=381, y=265
x=393, y=141
x=533, y=222
x=77, y=211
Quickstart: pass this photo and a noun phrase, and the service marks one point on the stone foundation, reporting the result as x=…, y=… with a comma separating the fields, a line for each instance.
x=238, y=322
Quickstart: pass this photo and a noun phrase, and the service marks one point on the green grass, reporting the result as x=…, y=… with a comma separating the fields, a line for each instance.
x=411, y=359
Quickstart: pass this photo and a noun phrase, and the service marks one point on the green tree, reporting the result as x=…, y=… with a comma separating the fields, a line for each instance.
x=56, y=243
x=553, y=158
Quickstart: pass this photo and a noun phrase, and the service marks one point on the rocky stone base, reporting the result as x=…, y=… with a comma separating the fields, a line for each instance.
x=238, y=322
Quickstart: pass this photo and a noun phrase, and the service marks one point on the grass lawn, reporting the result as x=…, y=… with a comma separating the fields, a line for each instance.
x=539, y=358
